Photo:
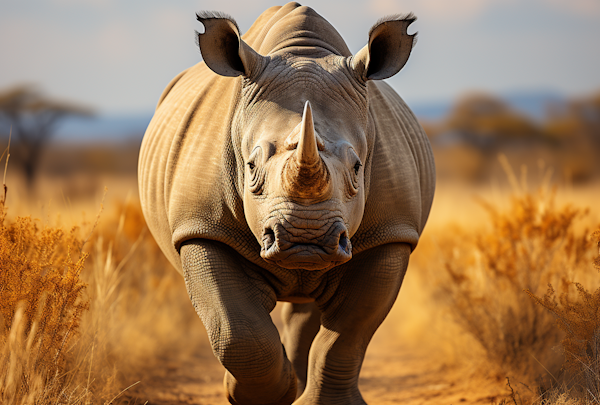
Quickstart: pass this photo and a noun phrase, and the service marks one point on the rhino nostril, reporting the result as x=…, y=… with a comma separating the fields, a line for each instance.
x=268, y=238
x=344, y=241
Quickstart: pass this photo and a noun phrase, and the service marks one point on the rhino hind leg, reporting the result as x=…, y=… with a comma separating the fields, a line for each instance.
x=234, y=303
x=367, y=290
x=301, y=322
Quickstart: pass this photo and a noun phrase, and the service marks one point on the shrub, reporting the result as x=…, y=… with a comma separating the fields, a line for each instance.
x=530, y=244
x=578, y=316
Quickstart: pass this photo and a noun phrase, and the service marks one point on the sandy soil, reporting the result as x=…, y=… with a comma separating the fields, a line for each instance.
x=391, y=374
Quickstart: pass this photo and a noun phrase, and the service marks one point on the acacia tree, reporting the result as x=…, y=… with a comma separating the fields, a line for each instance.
x=33, y=119
x=579, y=119
x=487, y=121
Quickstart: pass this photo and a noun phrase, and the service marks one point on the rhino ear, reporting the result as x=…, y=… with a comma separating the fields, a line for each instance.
x=388, y=48
x=222, y=47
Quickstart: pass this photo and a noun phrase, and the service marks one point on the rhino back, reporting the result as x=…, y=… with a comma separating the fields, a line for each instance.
x=402, y=174
x=293, y=25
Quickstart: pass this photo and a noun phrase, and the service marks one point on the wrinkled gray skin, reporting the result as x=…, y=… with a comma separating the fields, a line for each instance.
x=280, y=168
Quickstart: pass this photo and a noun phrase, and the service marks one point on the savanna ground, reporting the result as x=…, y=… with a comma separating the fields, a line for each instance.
x=92, y=313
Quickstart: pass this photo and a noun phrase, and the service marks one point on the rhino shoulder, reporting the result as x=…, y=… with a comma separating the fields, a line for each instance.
x=187, y=165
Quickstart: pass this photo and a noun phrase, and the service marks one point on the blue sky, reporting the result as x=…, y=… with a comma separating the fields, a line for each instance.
x=117, y=56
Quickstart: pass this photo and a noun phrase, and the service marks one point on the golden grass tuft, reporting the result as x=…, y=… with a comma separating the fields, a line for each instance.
x=41, y=306
x=578, y=316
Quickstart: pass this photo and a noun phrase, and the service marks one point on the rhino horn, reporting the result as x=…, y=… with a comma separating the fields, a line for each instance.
x=307, y=152
x=306, y=174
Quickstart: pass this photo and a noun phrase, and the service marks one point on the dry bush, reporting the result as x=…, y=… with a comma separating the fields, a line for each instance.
x=527, y=246
x=578, y=316
x=560, y=396
x=41, y=308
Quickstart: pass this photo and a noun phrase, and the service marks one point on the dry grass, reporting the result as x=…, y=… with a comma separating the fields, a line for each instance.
x=41, y=308
x=83, y=345
x=83, y=315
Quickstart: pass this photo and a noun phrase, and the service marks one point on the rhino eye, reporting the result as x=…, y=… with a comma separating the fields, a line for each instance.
x=353, y=182
x=255, y=156
x=256, y=179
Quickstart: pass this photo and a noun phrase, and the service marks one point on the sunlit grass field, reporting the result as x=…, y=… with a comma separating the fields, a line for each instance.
x=88, y=303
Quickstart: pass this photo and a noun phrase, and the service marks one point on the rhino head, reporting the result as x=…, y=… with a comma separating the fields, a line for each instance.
x=301, y=132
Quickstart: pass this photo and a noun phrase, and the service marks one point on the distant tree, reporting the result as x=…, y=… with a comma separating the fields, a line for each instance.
x=575, y=127
x=579, y=121
x=487, y=121
x=588, y=111
x=33, y=119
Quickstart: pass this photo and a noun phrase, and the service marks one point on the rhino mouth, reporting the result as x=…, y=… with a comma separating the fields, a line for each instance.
x=306, y=248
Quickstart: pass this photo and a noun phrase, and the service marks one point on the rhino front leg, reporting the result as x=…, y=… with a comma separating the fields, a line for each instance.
x=234, y=303
x=368, y=288
x=301, y=323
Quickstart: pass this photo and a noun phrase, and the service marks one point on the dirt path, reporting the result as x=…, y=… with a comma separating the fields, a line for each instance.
x=391, y=374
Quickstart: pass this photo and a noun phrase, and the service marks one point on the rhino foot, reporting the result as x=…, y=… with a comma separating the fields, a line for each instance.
x=286, y=399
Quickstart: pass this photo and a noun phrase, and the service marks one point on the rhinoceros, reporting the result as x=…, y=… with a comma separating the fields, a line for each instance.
x=281, y=168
